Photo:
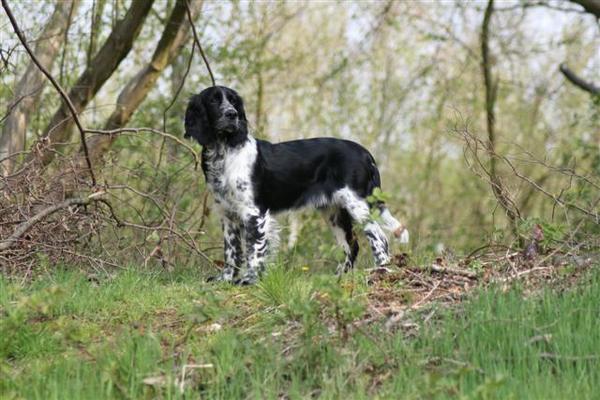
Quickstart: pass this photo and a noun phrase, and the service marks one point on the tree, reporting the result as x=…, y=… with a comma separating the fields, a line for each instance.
x=29, y=88
x=106, y=61
x=174, y=35
x=491, y=91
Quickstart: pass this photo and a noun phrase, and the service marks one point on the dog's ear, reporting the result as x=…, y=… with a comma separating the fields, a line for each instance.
x=239, y=107
x=196, y=122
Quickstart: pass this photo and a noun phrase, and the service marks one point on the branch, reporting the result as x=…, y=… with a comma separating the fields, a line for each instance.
x=197, y=41
x=27, y=225
x=452, y=271
x=591, y=6
x=545, y=4
x=579, y=82
x=60, y=90
x=114, y=132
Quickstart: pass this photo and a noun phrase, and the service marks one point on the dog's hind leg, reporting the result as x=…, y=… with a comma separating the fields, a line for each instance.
x=358, y=208
x=378, y=241
x=341, y=224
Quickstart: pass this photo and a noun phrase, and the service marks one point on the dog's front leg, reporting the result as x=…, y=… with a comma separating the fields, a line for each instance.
x=255, y=229
x=233, y=252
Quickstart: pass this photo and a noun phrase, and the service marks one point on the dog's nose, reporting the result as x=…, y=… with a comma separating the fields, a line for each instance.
x=231, y=114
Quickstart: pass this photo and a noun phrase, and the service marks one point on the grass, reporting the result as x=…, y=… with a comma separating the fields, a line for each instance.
x=129, y=335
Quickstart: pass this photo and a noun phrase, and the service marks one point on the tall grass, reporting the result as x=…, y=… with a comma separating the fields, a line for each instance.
x=65, y=336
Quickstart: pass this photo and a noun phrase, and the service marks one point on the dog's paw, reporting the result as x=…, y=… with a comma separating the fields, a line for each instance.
x=220, y=278
x=246, y=280
x=401, y=234
x=342, y=268
x=404, y=237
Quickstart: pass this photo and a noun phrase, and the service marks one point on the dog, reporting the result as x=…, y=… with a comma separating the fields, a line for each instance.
x=253, y=179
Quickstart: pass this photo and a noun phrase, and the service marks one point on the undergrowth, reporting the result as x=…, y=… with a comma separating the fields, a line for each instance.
x=299, y=334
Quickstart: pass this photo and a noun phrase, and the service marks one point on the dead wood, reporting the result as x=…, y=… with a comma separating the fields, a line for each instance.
x=27, y=225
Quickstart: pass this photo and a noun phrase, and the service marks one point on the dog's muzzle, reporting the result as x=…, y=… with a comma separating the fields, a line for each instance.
x=227, y=125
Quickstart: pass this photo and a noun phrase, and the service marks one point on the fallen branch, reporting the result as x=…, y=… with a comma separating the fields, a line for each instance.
x=452, y=271
x=25, y=226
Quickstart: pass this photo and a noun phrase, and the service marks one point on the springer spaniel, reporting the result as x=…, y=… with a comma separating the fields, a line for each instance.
x=252, y=179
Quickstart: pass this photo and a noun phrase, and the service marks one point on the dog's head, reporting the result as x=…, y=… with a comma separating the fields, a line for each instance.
x=216, y=114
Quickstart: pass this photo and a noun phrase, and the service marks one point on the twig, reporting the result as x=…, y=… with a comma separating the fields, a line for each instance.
x=25, y=226
x=455, y=271
x=56, y=85
x=151, y=130
x=197, y=41
x=183, y=79
x=523, y=273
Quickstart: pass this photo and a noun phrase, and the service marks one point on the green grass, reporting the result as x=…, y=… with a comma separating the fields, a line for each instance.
x=64, y=336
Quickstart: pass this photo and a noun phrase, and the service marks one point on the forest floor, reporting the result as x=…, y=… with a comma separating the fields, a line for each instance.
x=495, y=327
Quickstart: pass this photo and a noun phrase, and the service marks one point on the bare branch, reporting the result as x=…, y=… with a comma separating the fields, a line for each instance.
x=197, y=41
x=114, y=132
x=579, y=82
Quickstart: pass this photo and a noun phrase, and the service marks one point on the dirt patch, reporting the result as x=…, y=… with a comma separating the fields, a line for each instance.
x=404, y=287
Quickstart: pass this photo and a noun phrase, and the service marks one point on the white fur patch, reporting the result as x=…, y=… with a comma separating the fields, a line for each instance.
x=388, y=220
x=231, y=178
x=357, y=207
x=404, y=237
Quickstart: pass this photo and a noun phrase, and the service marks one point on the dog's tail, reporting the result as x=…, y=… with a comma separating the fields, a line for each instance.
x=390, y=223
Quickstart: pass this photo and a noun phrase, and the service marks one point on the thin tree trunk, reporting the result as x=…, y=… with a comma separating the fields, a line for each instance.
x=173, y=37
x=491, y=91
x=29, y=87
x=97, y=11
x=106, y=61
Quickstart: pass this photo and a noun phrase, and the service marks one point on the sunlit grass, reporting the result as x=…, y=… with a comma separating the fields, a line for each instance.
x=129, y=335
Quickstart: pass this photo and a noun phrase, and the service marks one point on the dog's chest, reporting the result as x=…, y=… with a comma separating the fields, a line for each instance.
x=228, y=174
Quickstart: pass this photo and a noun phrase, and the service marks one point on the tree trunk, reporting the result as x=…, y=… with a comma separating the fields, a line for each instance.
x=491, y=91
x=174, y=35
x=29, y=87
x=106, y=61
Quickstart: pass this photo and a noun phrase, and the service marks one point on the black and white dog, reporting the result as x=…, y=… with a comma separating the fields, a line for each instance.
x=253, y=179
